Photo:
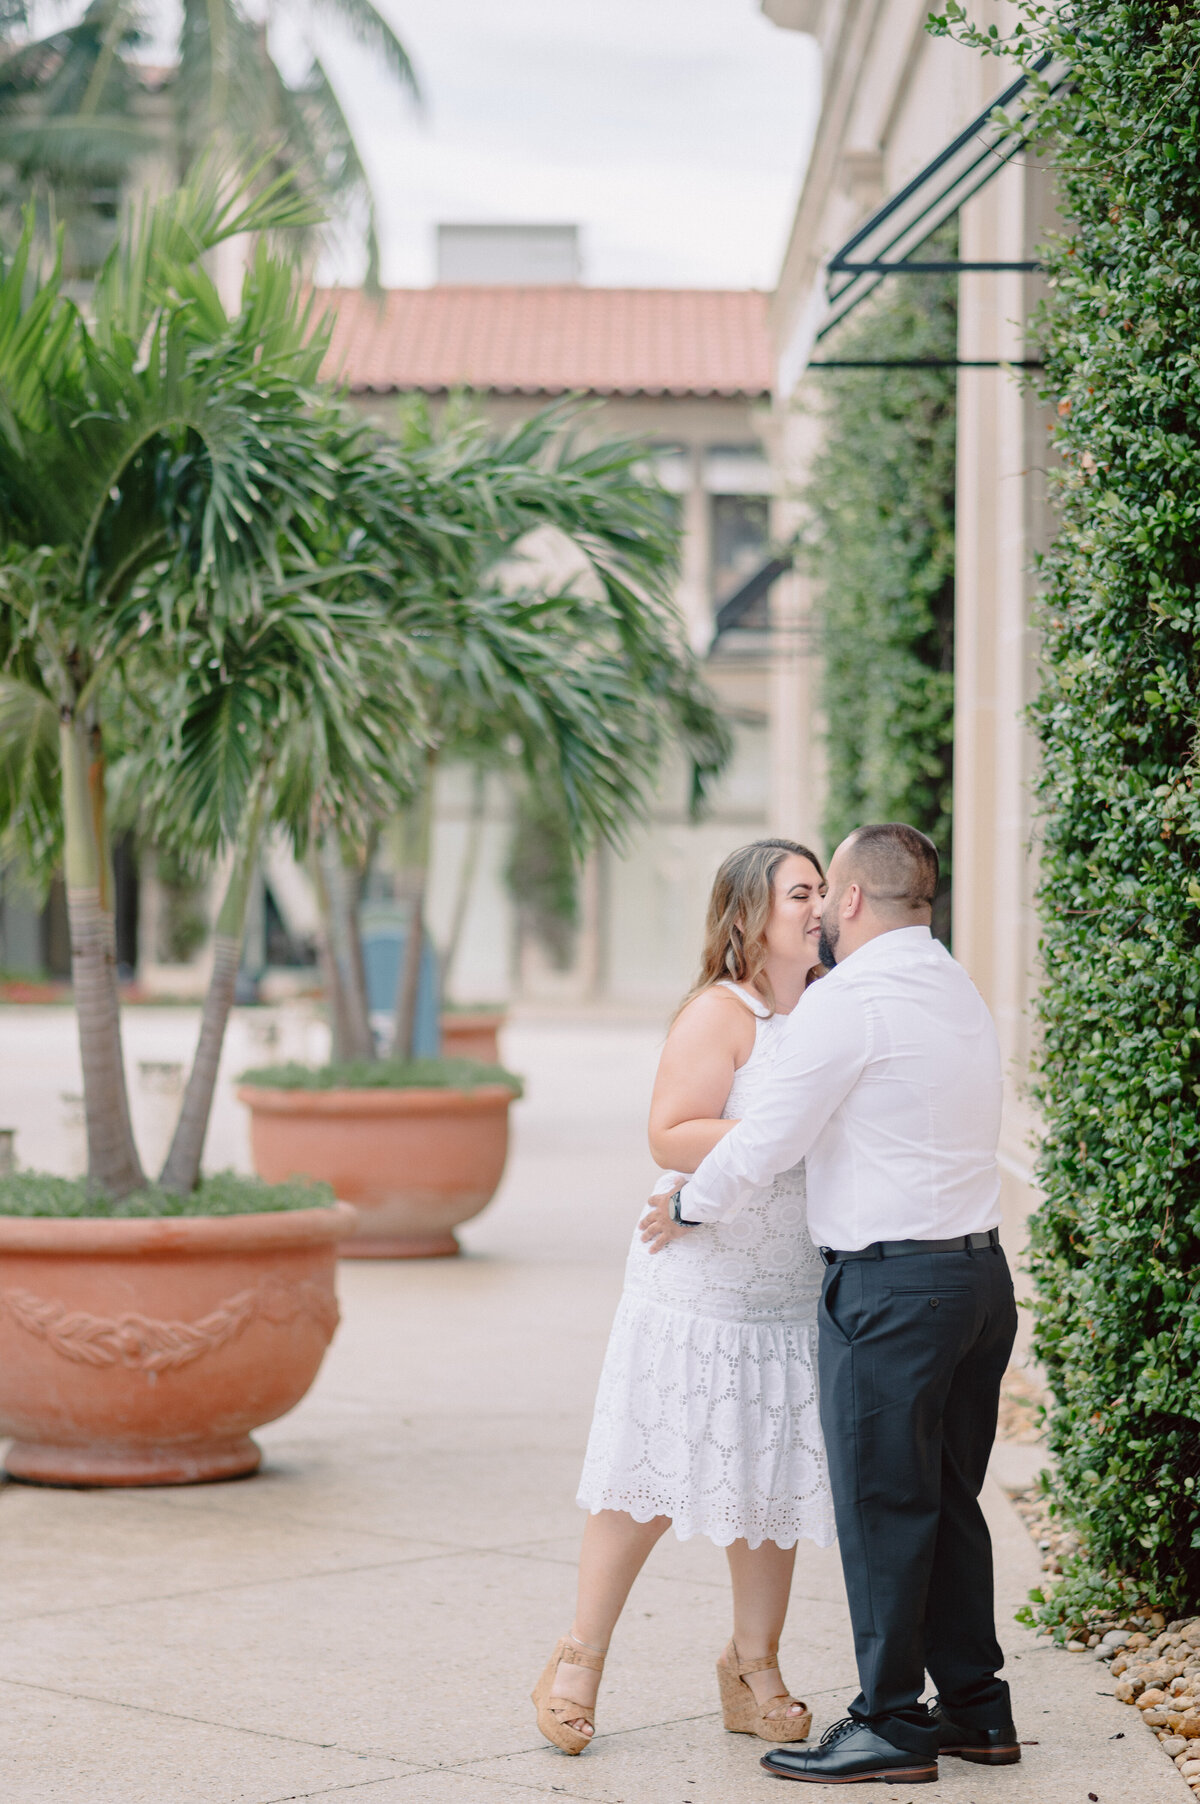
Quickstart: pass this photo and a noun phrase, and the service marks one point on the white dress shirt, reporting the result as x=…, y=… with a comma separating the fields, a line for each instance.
x=887, y=1081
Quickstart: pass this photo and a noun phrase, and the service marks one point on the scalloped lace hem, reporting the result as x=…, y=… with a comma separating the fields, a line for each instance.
x=820, y=1531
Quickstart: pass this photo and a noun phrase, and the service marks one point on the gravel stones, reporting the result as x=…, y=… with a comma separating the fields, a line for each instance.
x=1159, y=1675
x=1155, y=1663
x=1161, y=1672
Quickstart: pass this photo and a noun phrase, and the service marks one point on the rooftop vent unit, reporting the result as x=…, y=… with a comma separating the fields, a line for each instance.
x=508, y=255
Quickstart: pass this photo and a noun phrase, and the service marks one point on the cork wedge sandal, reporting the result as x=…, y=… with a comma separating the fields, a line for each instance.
x=556, y=1714
x=741, y=1710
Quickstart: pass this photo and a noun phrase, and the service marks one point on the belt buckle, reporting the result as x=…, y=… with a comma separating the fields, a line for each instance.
x=827, y=1255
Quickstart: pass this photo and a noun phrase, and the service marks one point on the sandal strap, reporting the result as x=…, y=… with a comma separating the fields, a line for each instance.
x=567, y=1710
x=573, y=1655
x=764, y=1665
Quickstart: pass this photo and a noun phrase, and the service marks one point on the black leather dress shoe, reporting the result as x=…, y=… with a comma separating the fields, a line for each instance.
x=986, y=1747
x=849, y=1754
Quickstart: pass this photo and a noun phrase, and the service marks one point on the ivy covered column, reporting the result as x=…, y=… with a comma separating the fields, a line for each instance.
x=880, y=499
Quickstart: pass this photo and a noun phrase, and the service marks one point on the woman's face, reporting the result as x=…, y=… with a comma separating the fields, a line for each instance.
x=794, y=926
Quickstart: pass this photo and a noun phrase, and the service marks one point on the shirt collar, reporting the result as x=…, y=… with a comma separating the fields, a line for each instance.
x=886, y=946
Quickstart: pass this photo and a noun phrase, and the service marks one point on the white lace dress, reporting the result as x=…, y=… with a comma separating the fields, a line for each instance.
x=707, y=1405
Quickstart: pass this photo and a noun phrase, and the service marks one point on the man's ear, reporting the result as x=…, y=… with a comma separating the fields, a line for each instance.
x=855, y=900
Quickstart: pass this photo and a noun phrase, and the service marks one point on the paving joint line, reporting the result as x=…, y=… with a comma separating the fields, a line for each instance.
x=205, y=1722
x=667, y=1722
x=331, y=1791
x=544, y=1791
x=414, y=1768
x=321, y=1525
x=161, y=1597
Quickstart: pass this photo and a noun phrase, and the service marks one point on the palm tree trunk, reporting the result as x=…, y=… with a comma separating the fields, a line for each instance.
x=181, y=1172
x=113, y=1163
x=335, y=989
x=338, y=884
x=467, y=872
x=408, y=986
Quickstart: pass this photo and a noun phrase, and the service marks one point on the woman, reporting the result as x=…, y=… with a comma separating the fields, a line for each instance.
x=706, y=1417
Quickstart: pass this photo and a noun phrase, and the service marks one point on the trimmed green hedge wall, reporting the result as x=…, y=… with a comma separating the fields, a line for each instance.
x=881, y=498
x=1116, y=1248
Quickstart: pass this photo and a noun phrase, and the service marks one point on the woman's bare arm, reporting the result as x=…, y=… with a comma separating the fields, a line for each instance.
x=710, y=1039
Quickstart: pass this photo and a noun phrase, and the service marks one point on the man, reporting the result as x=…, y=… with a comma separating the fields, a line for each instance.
x=888, y=1083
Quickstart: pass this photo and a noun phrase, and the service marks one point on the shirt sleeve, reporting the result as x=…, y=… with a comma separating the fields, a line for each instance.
x=822, y=1051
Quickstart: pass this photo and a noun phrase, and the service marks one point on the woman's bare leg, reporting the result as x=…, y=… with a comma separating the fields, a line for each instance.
x=615, y=1548
x=762, y=1582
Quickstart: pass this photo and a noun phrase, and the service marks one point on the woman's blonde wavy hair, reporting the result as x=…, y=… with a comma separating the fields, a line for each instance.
x=738, y=911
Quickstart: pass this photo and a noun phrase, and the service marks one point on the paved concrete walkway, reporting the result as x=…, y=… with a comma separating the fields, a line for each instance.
x=364, y=1620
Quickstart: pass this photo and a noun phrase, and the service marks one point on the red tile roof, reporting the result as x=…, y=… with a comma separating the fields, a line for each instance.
x=551, y=340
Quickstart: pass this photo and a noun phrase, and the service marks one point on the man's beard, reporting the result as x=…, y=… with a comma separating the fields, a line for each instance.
x=827, y=948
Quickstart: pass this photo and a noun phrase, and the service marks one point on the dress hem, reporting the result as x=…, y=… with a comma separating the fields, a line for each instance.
x=718, y=1540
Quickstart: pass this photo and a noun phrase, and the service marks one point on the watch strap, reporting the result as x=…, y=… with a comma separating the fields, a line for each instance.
x=675, y=1210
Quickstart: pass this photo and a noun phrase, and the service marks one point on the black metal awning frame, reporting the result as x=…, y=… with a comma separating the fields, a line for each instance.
x=734, y=609
x=911, y=217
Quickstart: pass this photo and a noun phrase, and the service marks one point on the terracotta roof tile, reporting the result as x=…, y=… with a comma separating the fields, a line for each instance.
x=551, y=340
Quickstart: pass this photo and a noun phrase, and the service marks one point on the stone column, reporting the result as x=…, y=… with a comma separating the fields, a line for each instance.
x=695, y=572
x=797, y=783
x=994, y=928
x=796, y=732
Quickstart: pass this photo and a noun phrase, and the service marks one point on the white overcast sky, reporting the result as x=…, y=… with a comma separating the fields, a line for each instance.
x=674, y=132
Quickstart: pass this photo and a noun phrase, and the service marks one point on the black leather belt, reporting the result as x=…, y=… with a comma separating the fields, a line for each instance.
x=900, y=1249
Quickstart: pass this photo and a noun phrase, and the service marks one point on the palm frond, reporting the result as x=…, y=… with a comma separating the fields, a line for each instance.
x=367, y=25
x=164, y=241
x=594, y=680
x=39, y=345
x=344, y=172
x=298, y=692
x=30, y=815
x=73, y=146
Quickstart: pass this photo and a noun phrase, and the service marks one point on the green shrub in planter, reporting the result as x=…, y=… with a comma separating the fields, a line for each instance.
x=384, y=1074
x=38, y=1193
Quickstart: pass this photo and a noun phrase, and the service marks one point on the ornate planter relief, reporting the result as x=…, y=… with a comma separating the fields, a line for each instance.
x=143, y=1352
x=142, y=1345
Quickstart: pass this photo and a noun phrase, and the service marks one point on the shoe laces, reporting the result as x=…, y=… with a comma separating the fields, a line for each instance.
x=838, y=1731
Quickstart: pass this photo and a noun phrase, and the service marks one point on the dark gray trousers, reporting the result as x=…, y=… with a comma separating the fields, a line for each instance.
x=912, y=1352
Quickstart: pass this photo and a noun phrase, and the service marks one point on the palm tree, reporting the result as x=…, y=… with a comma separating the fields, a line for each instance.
x=296, y=724
x=75, y=116
x=583, y=684
x=153, y=463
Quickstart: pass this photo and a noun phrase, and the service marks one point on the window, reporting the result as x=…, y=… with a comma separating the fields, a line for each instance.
x=740, y=538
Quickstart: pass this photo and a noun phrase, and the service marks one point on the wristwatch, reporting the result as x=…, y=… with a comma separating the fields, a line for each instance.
x=673, y=1208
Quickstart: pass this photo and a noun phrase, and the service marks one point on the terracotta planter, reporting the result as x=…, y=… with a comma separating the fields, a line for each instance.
x=143, y=1352
x=473, y=1035
x=415, y=1163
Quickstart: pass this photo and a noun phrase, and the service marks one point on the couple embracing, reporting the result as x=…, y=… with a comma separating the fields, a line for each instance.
x=833, y=1086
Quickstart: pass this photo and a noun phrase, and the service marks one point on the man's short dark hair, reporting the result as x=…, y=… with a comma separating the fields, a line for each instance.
x=895, y=865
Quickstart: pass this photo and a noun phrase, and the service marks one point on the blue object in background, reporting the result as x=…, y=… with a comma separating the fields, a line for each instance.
x=384, y=938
